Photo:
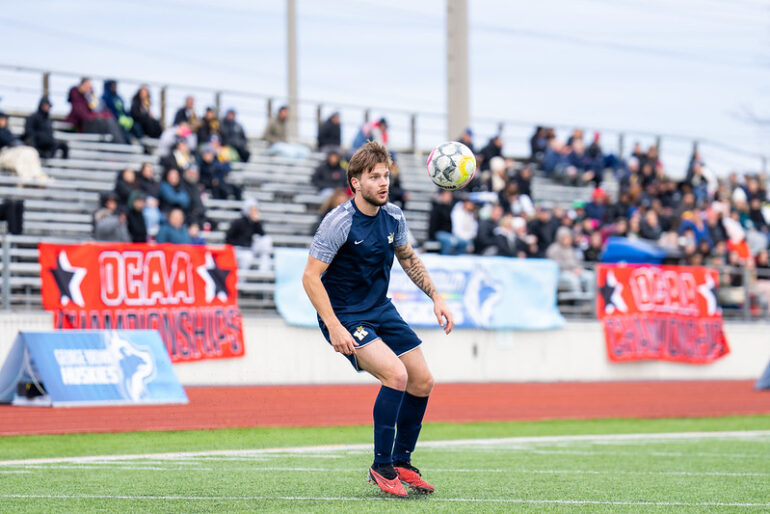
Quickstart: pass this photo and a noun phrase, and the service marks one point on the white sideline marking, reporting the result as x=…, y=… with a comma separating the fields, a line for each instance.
x=378, y=498
x=432, y=470
x=468, y=443
x=10, y=471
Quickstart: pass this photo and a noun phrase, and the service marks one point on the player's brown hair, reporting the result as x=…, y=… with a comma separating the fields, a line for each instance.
x=365, y=159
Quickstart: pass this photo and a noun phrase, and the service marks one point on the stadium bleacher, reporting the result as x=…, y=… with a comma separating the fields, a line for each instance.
x=289, y=205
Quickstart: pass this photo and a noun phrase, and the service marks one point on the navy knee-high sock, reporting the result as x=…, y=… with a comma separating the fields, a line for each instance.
x=386, y=408
x=409, y=425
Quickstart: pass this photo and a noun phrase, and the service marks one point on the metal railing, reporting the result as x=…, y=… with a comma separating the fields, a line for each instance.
x=743, y=293
x=410, y=130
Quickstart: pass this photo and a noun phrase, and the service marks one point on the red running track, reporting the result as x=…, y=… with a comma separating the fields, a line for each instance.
x=225, y=407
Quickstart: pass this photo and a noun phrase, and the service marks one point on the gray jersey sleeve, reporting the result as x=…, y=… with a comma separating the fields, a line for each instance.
x=332, y=234
x=402, y=232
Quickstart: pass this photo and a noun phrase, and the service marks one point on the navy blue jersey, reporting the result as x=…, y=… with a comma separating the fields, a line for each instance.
x=359, y=250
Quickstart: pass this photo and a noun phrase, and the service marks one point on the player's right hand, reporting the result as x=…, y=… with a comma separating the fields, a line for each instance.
x=342, y=340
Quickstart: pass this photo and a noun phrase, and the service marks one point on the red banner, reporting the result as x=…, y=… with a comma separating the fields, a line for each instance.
x=660, y=312
x=187, y=293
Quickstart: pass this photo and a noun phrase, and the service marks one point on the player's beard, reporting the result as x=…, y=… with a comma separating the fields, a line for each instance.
x=374, y=198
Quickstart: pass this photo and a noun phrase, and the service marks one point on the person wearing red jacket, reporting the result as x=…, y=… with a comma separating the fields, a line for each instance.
x=86, y=118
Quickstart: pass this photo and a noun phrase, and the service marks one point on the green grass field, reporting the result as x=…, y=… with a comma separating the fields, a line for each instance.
x=679, y=465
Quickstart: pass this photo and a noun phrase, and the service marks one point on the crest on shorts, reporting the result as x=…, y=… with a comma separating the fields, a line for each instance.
x=360, y=333
x=390, y=238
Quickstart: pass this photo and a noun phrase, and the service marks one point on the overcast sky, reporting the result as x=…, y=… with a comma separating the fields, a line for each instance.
x=691, y=67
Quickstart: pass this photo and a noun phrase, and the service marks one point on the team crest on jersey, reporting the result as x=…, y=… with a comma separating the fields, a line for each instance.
x=360, y=333
x=390, y=238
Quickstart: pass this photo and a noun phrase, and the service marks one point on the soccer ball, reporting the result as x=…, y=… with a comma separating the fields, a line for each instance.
x=451, y=165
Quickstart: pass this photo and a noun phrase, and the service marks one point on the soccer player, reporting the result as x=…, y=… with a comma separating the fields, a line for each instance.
x=346, y=278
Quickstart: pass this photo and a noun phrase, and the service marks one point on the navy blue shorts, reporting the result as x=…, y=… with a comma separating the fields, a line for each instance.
x=382, y=322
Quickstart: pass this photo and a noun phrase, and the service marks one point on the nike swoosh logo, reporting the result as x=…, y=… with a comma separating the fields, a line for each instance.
x=358, y=242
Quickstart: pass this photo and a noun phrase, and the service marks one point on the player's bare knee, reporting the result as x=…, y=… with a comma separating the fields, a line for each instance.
x=395, y=377
x=421, y=386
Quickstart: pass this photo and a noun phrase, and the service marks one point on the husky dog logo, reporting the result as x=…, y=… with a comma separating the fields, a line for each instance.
x=482, y=294
x=134, y=363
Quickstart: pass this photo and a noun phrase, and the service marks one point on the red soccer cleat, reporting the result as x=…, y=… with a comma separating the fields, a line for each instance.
x=390, y=486
x=411, y=477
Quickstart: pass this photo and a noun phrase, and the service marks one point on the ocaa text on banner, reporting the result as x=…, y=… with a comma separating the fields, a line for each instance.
x=660, y=312
x=187, y=293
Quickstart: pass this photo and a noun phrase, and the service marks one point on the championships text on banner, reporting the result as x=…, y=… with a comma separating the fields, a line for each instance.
x=660, y=312
x=187, y=293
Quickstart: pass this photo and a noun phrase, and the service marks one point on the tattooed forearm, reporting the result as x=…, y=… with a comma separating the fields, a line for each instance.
x=415, y=269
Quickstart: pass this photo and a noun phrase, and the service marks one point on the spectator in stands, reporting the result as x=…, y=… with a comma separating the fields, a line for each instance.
x=125, y=184
x=397, y=194
x=440, y=225
x=523, y=179
x=506, y=242
x=196, y=211
x=538, y=144
x=151, y=188
x=371, y=131
x=649, y=226
x=543, y=227
x=595, y=248
x=329, y=175
x=194, y=231
x=495, y=178
x=494, y=148
x=110, y=221
x=172, y=194
x=171, y=135
x=526, y=244
x=582, y=169
x=147, y=181
x=248, y=237
x=466, y=138
x=464, y=223
x=572, y=276
x=12, y=212
x=556, y=160
x=693, y=220
x=214, y=167
x=84, y=116
x=234, y=136
x=173, y=230
x=576, y=136
x=515, y=202
x=186, y=114
x=485, y=242
x=115, y=105
x=17, y=157
x=209, y=126
x=142, y=113
x=596, y=209
x=338, y=197
x=330, y=133
x=276, y=130
x=181, y=157
x=137, y=226
x=38, y=132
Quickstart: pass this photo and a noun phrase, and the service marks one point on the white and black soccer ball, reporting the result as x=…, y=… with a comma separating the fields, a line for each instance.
x=451, y=165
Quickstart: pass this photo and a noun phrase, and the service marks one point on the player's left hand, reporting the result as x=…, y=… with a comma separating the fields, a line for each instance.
x=443, y=314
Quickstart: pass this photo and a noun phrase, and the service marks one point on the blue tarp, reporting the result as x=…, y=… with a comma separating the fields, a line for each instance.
x=623, y=249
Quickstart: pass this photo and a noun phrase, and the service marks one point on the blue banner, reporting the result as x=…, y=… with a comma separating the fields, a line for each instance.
x=482, y=292
x=92, y=367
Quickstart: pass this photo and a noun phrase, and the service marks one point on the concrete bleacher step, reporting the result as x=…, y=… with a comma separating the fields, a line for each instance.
x=21, y=192
x=105, y=147
x=129, y=159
